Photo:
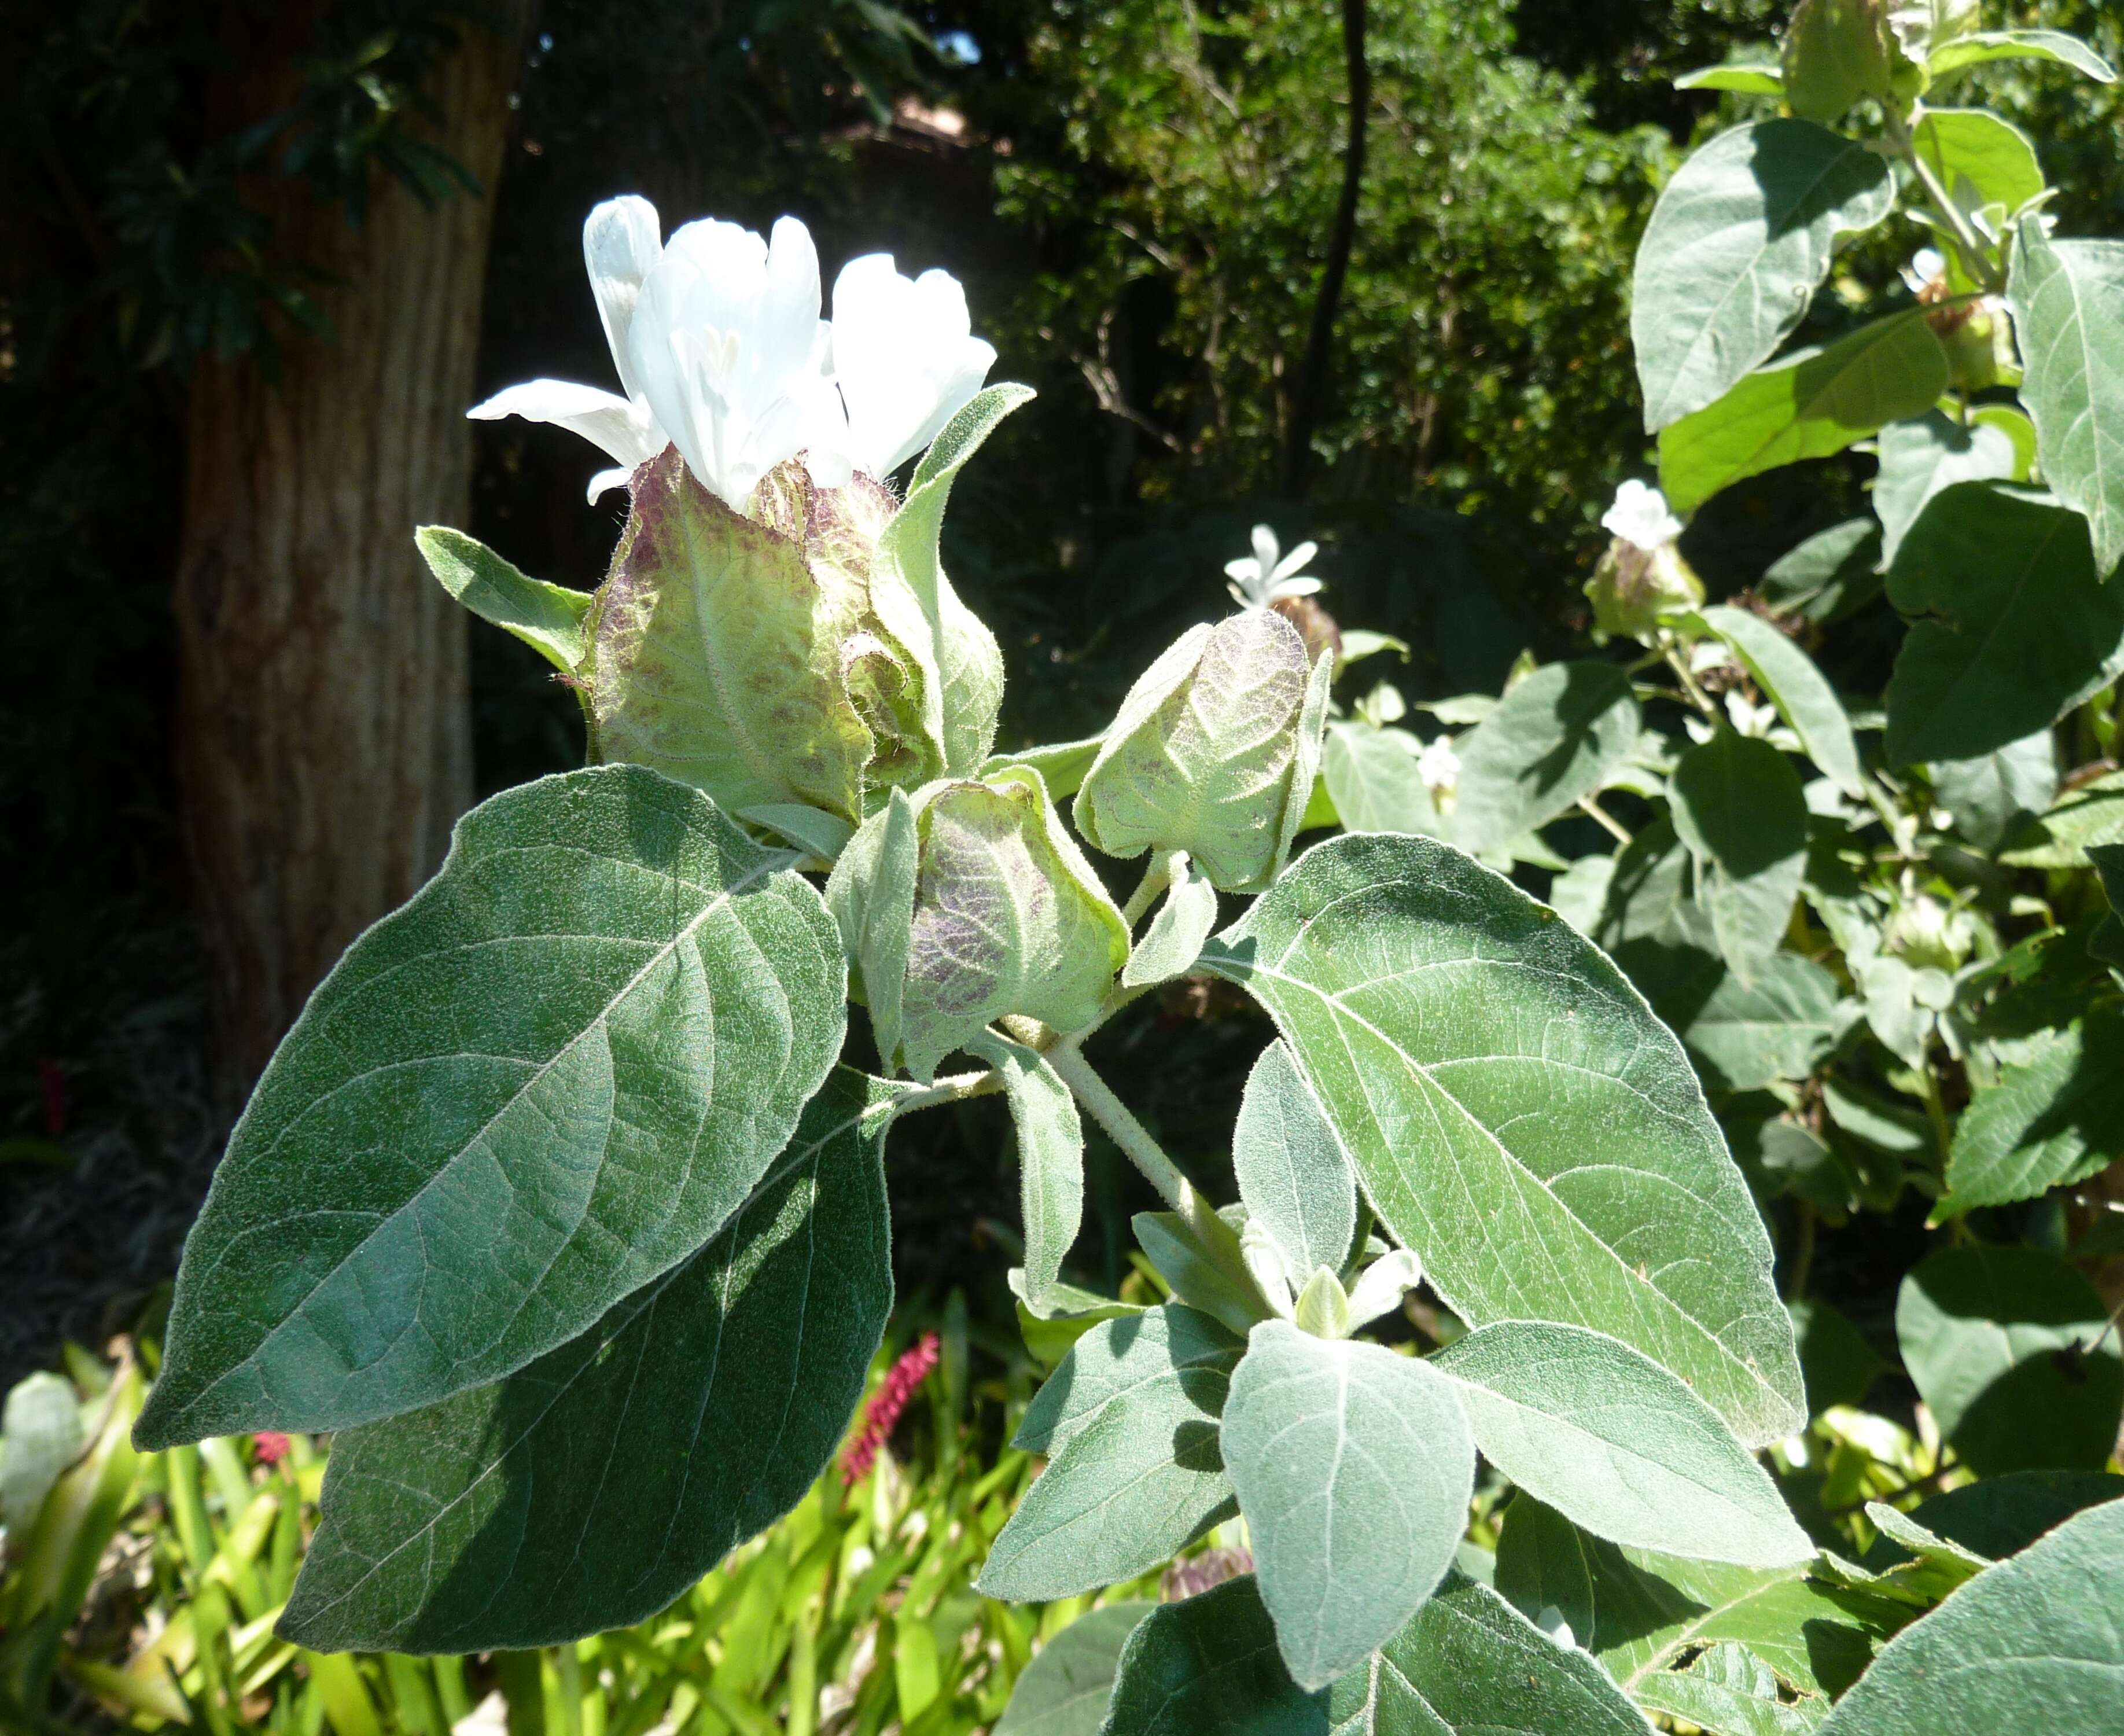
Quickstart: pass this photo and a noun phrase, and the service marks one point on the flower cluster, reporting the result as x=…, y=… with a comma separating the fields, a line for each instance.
x=881, y=1415
x=721, y=351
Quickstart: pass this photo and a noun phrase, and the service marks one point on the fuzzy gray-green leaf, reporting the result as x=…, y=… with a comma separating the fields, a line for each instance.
x=548, y=618
x=1050, y=1159
x=1517, y=1117
x=1292, y=1171
x=548, y=1078
x=1354, y=1467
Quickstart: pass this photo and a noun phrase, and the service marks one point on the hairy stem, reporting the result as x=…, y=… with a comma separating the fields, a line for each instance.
x=1967, y=240
x=1697, y=696
x=1156, y=878
x=1614, y=826
x=956, y=1089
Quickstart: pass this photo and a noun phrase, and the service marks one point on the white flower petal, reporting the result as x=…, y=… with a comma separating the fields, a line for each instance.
x=1296, y=561
x=1380, y=1286
x=621, y=430
x=1246, y=569
x=621, y=243
x=905, y=357
x=1640, y=516
x=1266, y=547
x=605, y=480
x=1304, y=585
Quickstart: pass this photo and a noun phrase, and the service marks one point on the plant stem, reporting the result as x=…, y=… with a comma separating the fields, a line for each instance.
x=956, y=1089
x=1156, y=878
x=1697, y=696
x=1125, y=1130
x=1967, y=240
x=1595, y=811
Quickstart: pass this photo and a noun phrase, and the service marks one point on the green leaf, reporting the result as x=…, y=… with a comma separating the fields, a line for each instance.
x=1980, y=159
x=1840, y=1364
x=1212, y=750
x=2007, y=1346
x=551, y=1076
x=2055, y=1117
x=1812, y=404
x=1174, y=941
x=1555, y=737
x=1739, y=242
x=2067, y=299
x=1517, y=1117
x=2001, y=1517
x=1750, y=78
x=1988, y=795
x=731, y=656
x=1745, y=1035
x=1469, y=1664
x=1835, y=52
x=1061, y=767
x=1726, y=1690
x=588, y=1490
x=2106, y=942
x=2013, y=632
x=1617, y=1444
x=1135, y=1474
x=1829, y=576
x=1065, y=1690
x=2034, y=1644
x=550, y=619
x=1354, y=1469
x=1919, y=458
x=1197, y=1275
x=960, y=662
x=825, y=836
x=1292, y=1171
x=1050, y=1159
x=1789, y=680
x=1737, y=805
x=1983, y=46
x=1372, y=778
x=1640, y=1613
x=1209, y=1664
x=2084, y=820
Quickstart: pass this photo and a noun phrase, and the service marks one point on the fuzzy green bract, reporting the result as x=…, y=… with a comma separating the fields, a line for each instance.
x=741, y=652
x=592, y=1487
x=1214, y=752
x=550, y=1076
x=1433, y=1006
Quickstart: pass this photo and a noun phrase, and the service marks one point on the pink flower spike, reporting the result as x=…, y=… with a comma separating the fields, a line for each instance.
x=882, y=1413
x=269, y=1446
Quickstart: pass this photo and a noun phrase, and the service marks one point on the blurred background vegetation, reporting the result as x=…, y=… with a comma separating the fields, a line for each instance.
x=1141, y=197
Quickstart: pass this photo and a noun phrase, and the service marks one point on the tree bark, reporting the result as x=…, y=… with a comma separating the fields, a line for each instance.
x=323, y=730
x=1310, y=393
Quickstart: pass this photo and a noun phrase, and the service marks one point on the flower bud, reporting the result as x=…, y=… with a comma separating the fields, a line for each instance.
x=1214, y=752
x=965, y=903
x=1633, y=588
x=740, y=652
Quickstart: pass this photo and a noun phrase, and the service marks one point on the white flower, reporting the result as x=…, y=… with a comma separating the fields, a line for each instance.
x=905, y=356
x=1260, y=579
x=621, y=246
x=1640, y=517
x=726, y=344
x=1439, y=766
x=1927, y=266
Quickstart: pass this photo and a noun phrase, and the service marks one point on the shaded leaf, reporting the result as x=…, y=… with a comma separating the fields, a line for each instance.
x=1988, y=794
x=1736, y=803
x=1919, y=459
x=2015, y=631
x=2034, y=1644
x=1739, y=242
x=1555, y=737
x=1210, y=1662
x=591, y=1489
x=1065, y=1690
x=1812, y=404
x=553, y=1074
x=2054, y=1118
x=1802, y=694
x=1050, y=1159
x=2007, y=1346
x=1174, y=941
x=1829, y=574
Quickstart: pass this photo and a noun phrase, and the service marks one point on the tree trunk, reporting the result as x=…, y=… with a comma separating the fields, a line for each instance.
x=323, y=736
x=1308, y=397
